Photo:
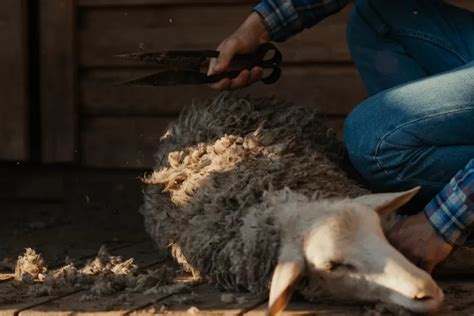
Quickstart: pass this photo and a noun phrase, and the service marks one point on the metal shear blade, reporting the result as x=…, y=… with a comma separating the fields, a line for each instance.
x=182, y=60
x=171, y=78
x=184, y=67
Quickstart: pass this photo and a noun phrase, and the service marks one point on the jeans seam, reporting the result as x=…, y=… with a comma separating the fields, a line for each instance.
x=382, y=139
x=406, y=32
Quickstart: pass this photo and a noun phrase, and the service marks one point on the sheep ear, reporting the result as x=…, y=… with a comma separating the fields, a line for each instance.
x=385, y=203
x=284, y=280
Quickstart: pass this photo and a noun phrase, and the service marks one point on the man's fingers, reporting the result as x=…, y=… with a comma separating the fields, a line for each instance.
x=224, y=84
x=241, y=80
x=212, y=65
x=227, y=52
x=256, y=74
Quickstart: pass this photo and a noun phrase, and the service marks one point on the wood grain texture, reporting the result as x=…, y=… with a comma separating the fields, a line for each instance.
x=329, y=88
x=206, y=300
x=127, y=28
x=58, y=80
x=121, y=142
x=14, y=140
x=106, y=32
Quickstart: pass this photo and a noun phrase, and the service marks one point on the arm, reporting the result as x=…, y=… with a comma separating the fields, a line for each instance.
x=285, y=18
x=271, y=20
x=451, y=212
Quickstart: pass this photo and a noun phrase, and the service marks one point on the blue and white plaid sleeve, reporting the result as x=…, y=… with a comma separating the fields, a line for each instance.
x=285, y=18
x=451, y=212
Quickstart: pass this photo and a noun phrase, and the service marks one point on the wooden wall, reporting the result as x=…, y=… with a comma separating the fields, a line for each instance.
x=14, y=138
x=120, y=125
x=58, y=81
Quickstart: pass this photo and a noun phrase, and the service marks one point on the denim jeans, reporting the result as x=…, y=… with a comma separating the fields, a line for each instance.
x=416, y=58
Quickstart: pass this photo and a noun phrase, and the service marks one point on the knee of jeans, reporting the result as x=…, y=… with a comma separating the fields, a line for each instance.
x=356, y=132
x=356, y=138
x=363, y=132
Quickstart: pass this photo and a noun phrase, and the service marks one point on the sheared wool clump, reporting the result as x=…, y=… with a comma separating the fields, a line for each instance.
x=30, y=267
x=205, y=199
x=104, y=275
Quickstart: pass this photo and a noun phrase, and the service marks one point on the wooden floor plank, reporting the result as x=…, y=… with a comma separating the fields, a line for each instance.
x=458, y=297
x=56, y=236
x=204, y=299
x=90, y=208
x=306, y=308
x=459, y=262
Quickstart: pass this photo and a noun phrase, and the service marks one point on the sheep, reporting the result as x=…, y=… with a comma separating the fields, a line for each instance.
x=256, y=194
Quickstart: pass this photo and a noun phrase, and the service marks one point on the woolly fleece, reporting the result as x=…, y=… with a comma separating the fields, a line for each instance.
x=206, y=198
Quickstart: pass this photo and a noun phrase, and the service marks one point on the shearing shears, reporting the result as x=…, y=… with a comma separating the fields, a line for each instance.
x=190, y=67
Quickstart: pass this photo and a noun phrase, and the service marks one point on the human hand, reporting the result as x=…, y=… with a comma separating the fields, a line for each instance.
x=248, y=37
x=419, y=242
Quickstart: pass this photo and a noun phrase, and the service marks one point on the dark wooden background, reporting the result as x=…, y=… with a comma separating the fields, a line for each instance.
x=84, y=119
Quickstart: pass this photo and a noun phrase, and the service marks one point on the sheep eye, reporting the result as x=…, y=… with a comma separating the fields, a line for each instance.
x=339, y=266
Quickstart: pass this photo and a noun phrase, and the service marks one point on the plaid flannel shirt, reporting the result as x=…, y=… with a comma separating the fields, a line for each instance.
x=285, y=18
x=451, y=212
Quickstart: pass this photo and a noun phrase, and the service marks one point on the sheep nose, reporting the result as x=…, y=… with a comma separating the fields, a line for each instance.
x=423, y=297
x=428, y=293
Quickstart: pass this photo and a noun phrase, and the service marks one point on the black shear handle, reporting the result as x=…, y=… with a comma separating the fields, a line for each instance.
x=270, y=79
x=249, y=61
x=258, y=58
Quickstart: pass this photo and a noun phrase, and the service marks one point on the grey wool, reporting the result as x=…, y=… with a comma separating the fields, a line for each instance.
x=219, y=169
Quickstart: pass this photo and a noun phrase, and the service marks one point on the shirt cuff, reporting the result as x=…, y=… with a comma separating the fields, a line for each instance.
x=451, y=212
x=280, y=18
x=453, y=235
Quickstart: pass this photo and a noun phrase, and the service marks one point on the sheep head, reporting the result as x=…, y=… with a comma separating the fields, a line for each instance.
x=340, y=247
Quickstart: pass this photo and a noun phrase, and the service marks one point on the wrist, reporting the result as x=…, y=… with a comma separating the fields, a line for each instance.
x=436, y=231
x=255, y=24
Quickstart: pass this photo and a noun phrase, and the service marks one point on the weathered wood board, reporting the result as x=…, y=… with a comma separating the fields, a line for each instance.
x=14, y=138
x=58, y=60
x=120, y=125
x=127, y=142
x=128, y=29
x=333, y=90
